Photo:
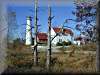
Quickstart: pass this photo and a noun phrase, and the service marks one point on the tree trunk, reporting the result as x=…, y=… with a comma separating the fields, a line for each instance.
x=49, y=41
x=98, y=39
x=35, y=39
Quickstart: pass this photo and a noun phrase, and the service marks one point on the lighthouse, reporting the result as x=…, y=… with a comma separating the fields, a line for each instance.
x=28, y=31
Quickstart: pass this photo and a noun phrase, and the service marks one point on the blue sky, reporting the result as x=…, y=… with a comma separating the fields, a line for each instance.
x=60, y=12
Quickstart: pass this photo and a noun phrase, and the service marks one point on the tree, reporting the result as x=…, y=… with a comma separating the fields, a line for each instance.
x=98, y=38
x=35, y=37
x=86, y=18
x=97, y=28
x=48, y=62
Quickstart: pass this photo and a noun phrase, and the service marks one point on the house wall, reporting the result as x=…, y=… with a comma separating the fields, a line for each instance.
x=55, y=40
x=60, y=38
x=78, y=43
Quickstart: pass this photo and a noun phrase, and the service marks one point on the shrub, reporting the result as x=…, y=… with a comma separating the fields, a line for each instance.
x=64, y=43
x=59, y=44
x=89, y=47
x=17, y=44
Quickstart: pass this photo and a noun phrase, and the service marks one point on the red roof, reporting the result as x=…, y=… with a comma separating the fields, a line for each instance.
x=66, y=31
x=42, y=36
x=57, y=30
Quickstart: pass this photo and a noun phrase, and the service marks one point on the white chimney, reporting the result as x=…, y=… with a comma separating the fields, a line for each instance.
x=28, y=32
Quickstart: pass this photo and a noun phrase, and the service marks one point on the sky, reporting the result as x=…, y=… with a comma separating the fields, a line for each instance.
x=61, y=12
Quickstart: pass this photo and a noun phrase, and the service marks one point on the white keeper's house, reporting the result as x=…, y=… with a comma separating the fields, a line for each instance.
x=66, y=36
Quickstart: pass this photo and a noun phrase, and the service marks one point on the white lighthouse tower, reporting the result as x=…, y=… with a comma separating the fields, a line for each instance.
x=28, y=31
